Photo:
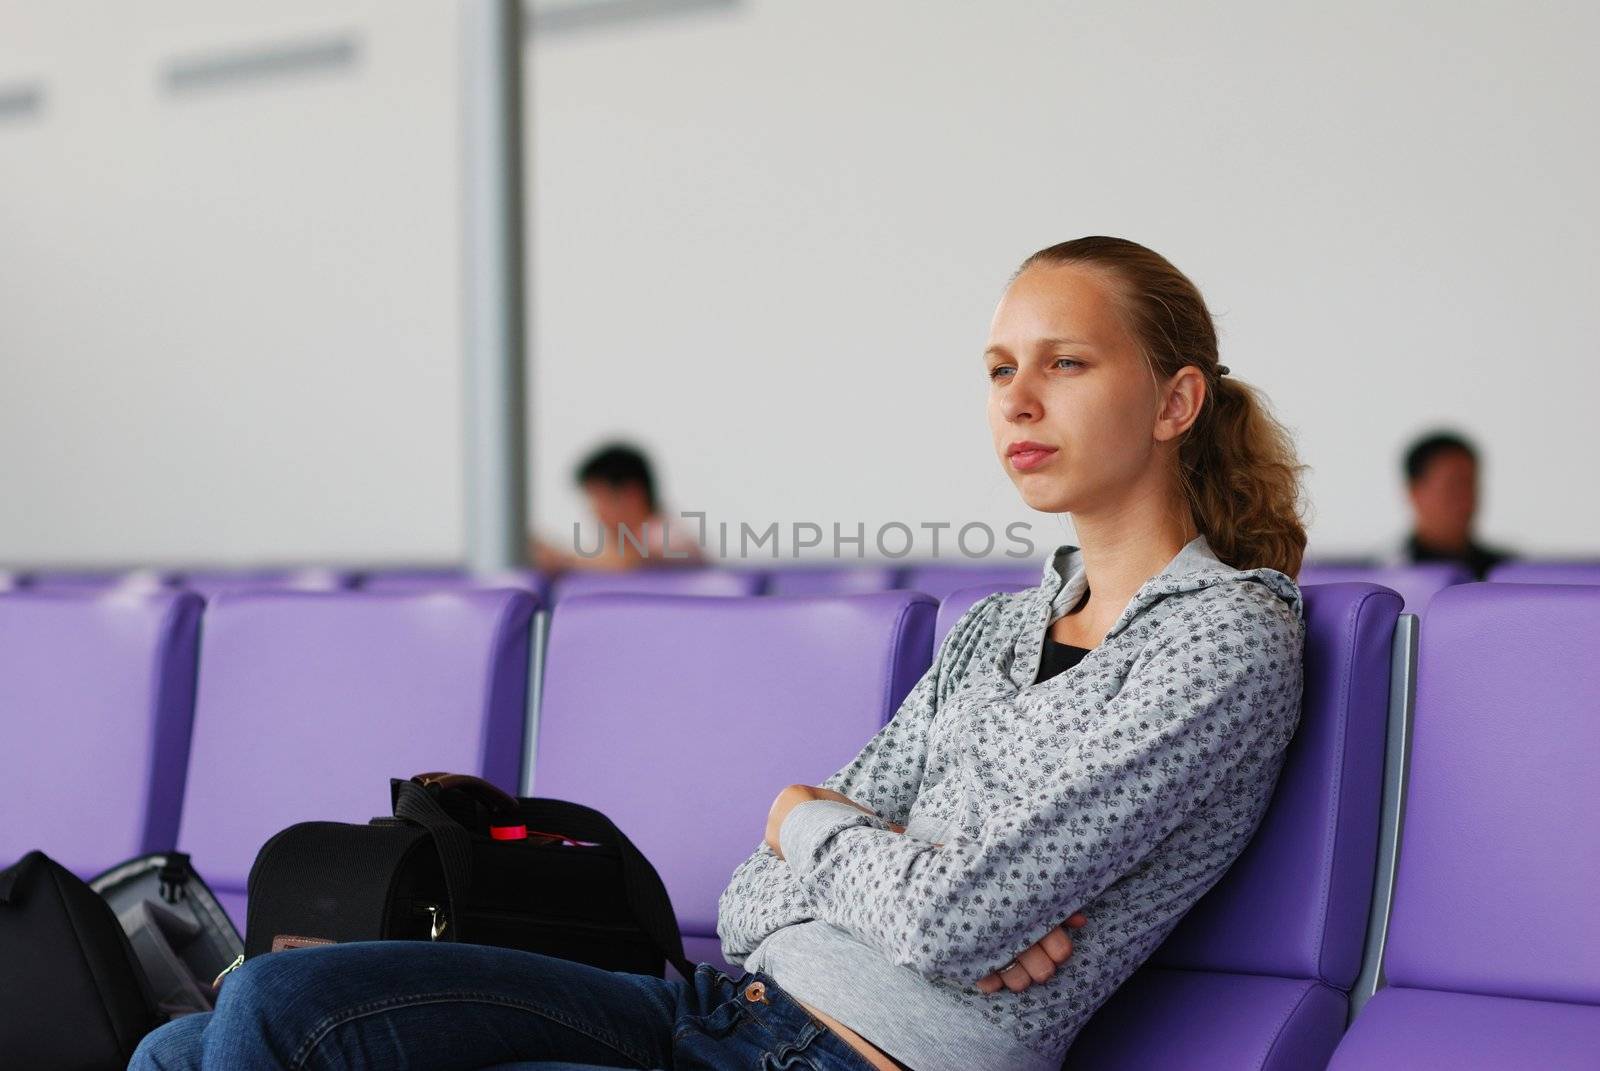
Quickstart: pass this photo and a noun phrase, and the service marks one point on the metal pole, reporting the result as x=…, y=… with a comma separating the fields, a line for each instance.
x=495, y=434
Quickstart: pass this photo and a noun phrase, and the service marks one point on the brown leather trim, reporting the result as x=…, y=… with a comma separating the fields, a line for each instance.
x=285, y=941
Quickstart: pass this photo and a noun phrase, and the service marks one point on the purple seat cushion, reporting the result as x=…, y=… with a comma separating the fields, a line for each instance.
x=309, y=702
x=1194, y=1021
x=703, y=949
x=1546, y=573
x=1500, y=827
x=682, y=718
x=660, y=581
x=1414, y=1028
x=958, y=602
x=96, y=698
x=831, y=580
x=940, y=580
x=1416, y=584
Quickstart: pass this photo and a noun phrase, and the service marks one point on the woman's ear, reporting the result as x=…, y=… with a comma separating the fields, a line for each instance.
x=1185, y=394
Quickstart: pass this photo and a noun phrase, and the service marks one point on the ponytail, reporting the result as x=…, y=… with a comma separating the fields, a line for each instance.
x=1237, y=464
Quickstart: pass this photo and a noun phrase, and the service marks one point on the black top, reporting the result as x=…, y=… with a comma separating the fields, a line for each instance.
x=1479, y=559
x=1058, y=658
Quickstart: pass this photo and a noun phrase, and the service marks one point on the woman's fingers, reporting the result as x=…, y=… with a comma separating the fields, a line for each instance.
x=1057, y=945
x=1038, y=964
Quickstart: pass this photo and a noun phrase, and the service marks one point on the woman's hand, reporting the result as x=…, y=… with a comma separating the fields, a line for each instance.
x=792, y=797
x=1037, y=963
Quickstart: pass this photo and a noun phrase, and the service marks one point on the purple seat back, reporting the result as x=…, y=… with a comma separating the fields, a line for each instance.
x=832, y=580
x=101, y=579
x=1493, y=951
x=958, y=602
x=213, y=582
x=309, y=702
x=939, y=579
x=665, y=580
x=529, y=580
x=1257, y=974
x=1416, y=584
x=681, y=718
x=1546, y=573
x=1500, y=812
x=96, y=698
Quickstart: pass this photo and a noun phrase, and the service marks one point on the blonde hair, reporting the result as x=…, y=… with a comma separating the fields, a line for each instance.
x=1236, y=465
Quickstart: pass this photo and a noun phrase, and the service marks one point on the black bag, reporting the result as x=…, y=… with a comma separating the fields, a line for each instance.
x=462, y=861
x=180, y=935
x=70, y=992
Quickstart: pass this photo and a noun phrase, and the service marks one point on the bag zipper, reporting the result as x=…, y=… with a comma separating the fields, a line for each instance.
x=229, y=969
x=438, y=922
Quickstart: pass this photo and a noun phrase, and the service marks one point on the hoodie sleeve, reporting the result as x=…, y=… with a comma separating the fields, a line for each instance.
x=1198, y=728
x=763, y=895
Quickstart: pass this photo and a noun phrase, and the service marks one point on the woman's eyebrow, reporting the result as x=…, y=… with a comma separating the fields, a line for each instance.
x=1043, y=343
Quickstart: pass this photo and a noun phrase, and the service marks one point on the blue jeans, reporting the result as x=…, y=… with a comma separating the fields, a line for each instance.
x=401, y=1004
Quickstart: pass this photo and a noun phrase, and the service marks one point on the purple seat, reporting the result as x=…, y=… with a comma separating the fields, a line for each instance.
x=411, y=578
x=101, y=579
x=941, y=579
x=832, y=580
x=958, y=602
x=529, y=580
x=1493, y=955
x=1546, y=573
x=1257, y=976
x=666, y=580
x=212, y=582
x=682, y=718
x=309, y=702
x=1416, y=584
x=96, y=698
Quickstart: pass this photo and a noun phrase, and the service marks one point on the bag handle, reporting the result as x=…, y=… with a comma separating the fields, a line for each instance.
x=647, y=897
x=490, y=795
x=414, y=803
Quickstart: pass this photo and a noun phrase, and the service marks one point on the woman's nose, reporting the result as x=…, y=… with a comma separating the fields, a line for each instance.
x=1019, y=399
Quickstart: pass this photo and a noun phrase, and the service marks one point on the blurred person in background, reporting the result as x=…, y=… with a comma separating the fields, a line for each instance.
x=619, y=484
x=1441, y=472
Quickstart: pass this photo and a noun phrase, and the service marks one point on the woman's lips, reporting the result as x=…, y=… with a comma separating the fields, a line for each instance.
x=1023, y=460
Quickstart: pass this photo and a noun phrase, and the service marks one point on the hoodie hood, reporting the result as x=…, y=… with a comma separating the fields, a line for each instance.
x=1195, y=568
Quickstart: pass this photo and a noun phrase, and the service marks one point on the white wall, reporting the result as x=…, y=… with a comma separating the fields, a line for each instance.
x=770, y=239
x=229, y=318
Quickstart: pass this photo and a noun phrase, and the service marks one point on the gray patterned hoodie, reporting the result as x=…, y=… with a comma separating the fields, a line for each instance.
x=1122, y=788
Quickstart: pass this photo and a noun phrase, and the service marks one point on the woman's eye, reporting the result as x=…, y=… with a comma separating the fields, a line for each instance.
x=1068, y=362
x=1001, y=371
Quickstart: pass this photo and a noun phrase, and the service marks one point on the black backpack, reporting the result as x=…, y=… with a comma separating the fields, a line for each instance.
x=460, y=860
x=70, y=993
x=87, y=969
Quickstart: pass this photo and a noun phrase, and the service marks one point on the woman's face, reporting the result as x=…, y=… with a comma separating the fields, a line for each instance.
x=1079, y=420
